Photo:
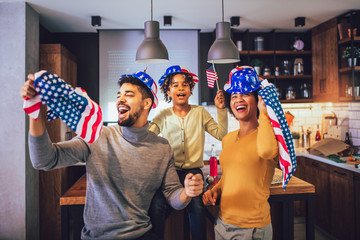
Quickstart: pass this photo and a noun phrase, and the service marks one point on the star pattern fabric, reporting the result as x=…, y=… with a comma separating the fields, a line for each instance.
x=287, y=157
x=72, y=105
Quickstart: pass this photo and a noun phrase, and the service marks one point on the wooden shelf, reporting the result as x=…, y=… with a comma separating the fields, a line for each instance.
x=348, y=69
x=277, y=52
x=348, y=40
x=303, y=100
x=286, y=77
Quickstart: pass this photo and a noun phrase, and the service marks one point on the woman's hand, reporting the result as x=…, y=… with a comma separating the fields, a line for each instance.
x=261, y=104
x=210, y=197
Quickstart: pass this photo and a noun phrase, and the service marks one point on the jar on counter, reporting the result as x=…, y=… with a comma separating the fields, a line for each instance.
x=259, y=43
x=290, y=93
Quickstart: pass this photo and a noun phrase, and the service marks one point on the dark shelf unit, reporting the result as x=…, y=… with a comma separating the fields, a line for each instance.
x=277, y=48
x=349, y=36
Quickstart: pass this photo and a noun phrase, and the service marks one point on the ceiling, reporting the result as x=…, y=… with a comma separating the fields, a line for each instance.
x=257, y=15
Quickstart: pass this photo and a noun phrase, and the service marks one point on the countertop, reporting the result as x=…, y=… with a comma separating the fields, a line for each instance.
x=301, y=152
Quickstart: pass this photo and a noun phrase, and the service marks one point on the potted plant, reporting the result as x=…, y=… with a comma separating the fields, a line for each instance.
x=348, y=54
x=296, y=138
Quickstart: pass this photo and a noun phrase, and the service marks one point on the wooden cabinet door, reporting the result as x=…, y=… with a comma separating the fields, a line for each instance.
x=325, y=62
x=317, y=173
x=52, y=184
x=356, y=177
x=342, y=203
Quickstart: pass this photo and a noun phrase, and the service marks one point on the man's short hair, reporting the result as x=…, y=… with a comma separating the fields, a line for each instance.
x=143, y=89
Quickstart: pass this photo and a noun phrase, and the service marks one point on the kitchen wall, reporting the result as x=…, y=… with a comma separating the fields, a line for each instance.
x=307, y=115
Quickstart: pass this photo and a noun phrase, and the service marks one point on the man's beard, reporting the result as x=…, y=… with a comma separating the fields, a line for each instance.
x=128, y=122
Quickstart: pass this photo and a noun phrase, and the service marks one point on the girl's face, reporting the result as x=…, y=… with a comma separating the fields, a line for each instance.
x=179, y=90
x=244, y=106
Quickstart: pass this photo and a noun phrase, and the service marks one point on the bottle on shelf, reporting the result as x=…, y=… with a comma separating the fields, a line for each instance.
x=347, y=139
x=213, y=162
x=317, y=135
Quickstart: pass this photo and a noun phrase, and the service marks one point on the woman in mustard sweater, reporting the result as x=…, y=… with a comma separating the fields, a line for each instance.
x=248, y=160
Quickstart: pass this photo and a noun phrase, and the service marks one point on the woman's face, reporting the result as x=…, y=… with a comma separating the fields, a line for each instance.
x=244, y=106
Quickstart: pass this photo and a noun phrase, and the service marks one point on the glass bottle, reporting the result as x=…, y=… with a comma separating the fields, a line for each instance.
x=213, y=162
x=347, y=139
x=317, y=135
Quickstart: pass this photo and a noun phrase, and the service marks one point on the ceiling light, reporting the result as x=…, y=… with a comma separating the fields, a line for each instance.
x=235, y=21
x=96, y=21
x=167, y=20
x=299, y=21
x=223, y=49
x=152, y=49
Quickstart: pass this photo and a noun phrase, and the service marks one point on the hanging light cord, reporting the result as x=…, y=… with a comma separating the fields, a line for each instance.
x=222, y=10
x=151, y=10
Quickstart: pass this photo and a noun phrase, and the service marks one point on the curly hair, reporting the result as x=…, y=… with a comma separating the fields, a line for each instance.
x=168, y=81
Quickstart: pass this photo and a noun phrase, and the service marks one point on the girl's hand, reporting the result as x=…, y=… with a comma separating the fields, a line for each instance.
x=220, y=99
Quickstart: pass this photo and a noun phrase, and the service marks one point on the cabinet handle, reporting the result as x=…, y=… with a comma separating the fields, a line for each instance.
x=340, y=173
x=315, y=164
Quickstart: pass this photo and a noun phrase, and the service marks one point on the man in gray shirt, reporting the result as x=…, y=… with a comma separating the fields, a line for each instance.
x=124, y=166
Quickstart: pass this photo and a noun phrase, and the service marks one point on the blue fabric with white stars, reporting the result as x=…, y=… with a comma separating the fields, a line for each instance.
x=271, y=99
x=61, y=98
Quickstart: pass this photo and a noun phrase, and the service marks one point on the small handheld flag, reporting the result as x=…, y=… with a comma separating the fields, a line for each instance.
x=73, y=106
x=211, y=76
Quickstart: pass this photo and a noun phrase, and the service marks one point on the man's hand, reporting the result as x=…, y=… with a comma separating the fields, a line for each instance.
x=193, y=184
x=28, y=89
x=220, y=99
x=210, y=197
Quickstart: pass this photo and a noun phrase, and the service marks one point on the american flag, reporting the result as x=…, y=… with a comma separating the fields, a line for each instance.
x=211, y=76
x=73, y=106
x=287, y=158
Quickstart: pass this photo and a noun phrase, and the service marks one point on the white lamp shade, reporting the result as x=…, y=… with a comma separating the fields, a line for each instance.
x=223, y=49
x=152, y=49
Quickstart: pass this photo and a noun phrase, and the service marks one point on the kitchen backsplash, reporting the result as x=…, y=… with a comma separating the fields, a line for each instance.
x=307, y=115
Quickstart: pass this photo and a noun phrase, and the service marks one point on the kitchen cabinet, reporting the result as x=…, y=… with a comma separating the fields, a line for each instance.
x=337, y=197
x=325, y=62
x=317, y=173
x=356, y=177
x=349, y=75
x=277, y=61
x=342, y=203
x=52, y=184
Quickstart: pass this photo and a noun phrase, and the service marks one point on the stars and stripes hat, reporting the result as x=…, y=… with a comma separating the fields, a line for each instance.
x=242, y=79
x=72, y=105
x=148, y=81
x=177, y=69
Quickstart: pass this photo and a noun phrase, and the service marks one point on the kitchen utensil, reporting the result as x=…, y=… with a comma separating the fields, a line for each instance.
x=328, y=120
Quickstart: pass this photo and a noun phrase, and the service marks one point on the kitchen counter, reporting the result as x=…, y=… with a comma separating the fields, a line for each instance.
x=301, y=152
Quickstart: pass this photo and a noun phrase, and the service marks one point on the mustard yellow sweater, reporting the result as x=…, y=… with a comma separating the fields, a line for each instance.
x=248, y=166
x=186, y=135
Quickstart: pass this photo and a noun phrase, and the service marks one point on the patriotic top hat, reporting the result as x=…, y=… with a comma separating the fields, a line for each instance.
x=242, y=80
x=177, y=69
x=148, y=81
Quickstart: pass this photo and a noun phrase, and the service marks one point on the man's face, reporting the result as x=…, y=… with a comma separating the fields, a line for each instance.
x=130, y=105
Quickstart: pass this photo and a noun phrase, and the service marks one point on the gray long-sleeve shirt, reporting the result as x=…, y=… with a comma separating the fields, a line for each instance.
x=124, y=167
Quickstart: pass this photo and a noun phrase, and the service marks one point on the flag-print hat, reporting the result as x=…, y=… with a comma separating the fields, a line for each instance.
x=242, y=80
x=177, y=69
x=148, y=81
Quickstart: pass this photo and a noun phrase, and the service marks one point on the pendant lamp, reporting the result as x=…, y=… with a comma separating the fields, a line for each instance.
x=223, y=49
x=152, y=49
